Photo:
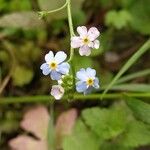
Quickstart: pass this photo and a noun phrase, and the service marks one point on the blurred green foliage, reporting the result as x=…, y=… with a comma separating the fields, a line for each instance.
x=24, y=40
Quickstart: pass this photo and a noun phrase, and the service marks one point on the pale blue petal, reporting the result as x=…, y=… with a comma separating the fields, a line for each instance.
x=91, y=72
x=45, y=69
x=81, y=86
x=96, y=83
x=63, y=68
x=49, y=57
x=60, y=57
x=89, y=90
x=81, y=75
x=55, y=75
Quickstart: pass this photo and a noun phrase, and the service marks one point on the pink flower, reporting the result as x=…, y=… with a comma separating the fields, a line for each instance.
x=57, y=91
x=86, y=40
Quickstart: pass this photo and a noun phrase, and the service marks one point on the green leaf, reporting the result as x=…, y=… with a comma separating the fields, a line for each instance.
x=22, y=75
x=141, y=110
x=134, y=75
x=106, y=123
x=25, y=20
x=16, y=5
x=131, y=87
x=118, y=19
x=140, y=16
x=128, y=64
x=82, y=138
x=137, y=134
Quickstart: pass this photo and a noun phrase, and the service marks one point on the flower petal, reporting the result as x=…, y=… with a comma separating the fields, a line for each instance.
x=76, y=42
x=81, y=86
x=93, y=33
x=57, y=91
x=81, y=75
x=63, y=68
x=84, y=50
x=24, y=142
x=37, y=125
x=96, y=44
x=49, y=57
x=55, y=75
x=91, y=44
x=82, y=30
x=45, y=69
x=96, y=83
x=89, y=90
x=60, y=57
x=91, y=72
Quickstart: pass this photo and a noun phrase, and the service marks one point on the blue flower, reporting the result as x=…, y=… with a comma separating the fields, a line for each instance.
x=86, y=80
x=55, y=65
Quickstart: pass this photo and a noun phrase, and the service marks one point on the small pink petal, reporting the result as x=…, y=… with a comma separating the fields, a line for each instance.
x=93, y=33
x=76, y=42
x=57, y=91
x=82, y=30
x=65, y=124
x=84, y=50
x=36, y=121
x=91, y=44
x=96, y=44
x=24, y=142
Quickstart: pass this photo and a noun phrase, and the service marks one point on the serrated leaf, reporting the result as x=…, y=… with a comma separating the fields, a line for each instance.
x=25, y=20
x=21, y=75
x=81, y=139
x=118, y=19
x=140, y=109
x=137, y=134
x=106, y=123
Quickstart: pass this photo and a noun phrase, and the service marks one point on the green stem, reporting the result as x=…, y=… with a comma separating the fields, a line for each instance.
x=51, y=129
x=70, y=27
x=70, y=18
x=55, y=10
x=47, y=98
x=52, y=11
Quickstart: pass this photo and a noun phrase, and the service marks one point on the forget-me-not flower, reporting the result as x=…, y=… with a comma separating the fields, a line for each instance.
x=87, y=80
x=86, y=40
x=57, y=91
x=55, y=65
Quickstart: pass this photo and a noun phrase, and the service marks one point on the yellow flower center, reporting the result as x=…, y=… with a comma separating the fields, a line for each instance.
x=90, y=82
x=53, y=65
x=86, y=40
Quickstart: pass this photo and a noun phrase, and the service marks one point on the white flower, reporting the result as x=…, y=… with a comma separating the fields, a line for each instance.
x=86, y=40
x=57, y=91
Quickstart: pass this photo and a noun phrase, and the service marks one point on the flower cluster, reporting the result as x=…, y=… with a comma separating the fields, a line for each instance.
x=58, y=70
